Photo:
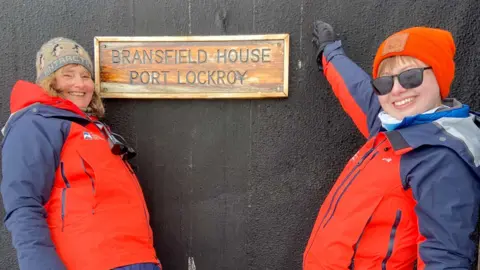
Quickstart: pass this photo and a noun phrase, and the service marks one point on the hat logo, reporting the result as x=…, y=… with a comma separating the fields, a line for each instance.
x=57, y=49
x=42, y=61
x=395, y=43
x=77, y=49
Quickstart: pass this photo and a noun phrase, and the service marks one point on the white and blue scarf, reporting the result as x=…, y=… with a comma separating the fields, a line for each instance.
x=390, y=123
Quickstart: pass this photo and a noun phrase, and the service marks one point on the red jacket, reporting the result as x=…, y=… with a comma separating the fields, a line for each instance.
x=57, y=163
x=408, y=195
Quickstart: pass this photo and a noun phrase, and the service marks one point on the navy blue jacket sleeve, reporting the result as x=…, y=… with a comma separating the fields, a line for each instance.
x=447, y=193
x=352, y=86
x=30, y=156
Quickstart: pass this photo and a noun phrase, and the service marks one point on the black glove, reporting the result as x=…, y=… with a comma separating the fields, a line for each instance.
x=323, y=34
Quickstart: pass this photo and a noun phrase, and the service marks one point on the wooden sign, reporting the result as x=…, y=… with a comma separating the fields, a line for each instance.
x=254, y=66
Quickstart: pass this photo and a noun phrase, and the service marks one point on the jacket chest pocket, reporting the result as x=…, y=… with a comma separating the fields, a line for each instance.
x=107, y=173
x=101, y=161
x=76, y=184
x=77, y=196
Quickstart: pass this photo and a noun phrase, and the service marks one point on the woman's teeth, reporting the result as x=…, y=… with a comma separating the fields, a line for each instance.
x=403, y=102
x=77, y=94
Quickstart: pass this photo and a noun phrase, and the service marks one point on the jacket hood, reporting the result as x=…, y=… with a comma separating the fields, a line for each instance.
x=26, y=93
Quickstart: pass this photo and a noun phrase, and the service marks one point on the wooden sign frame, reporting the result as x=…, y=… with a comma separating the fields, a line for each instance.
x=280, y=93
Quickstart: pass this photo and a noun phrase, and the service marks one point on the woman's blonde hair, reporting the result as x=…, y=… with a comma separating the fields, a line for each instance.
x=387, y=65
x=95, y=107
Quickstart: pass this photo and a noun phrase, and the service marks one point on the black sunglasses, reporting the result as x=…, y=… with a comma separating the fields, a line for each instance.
x=408, y=79
x=118, y=145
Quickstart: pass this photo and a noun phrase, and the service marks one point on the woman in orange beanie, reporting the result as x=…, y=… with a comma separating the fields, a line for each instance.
x=411, y=194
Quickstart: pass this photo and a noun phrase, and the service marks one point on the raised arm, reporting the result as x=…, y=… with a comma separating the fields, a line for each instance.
x=351, y=84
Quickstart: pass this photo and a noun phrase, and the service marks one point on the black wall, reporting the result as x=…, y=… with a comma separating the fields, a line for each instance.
x=234, y=184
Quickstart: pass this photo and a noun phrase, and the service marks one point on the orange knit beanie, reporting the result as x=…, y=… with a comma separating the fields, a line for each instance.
x=435, y=47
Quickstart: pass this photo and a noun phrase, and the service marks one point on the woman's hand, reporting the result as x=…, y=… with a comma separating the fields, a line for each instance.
x=323, y=34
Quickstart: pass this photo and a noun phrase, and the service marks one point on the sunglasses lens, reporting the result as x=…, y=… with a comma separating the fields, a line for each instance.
x=383, y=85
x=411, y=78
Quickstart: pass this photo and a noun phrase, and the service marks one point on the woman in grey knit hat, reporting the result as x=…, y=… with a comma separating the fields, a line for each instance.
x=72, y=200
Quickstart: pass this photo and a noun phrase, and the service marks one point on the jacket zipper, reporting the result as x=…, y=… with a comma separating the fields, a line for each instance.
x=64, y=193
x=92, y=180
x=359, y=163
x=137, y=185
x=398, y=217
x=341, y=185
x=352, y=264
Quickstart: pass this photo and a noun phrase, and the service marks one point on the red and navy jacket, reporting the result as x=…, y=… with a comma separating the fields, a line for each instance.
x=70, y=202
x=408, y=195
